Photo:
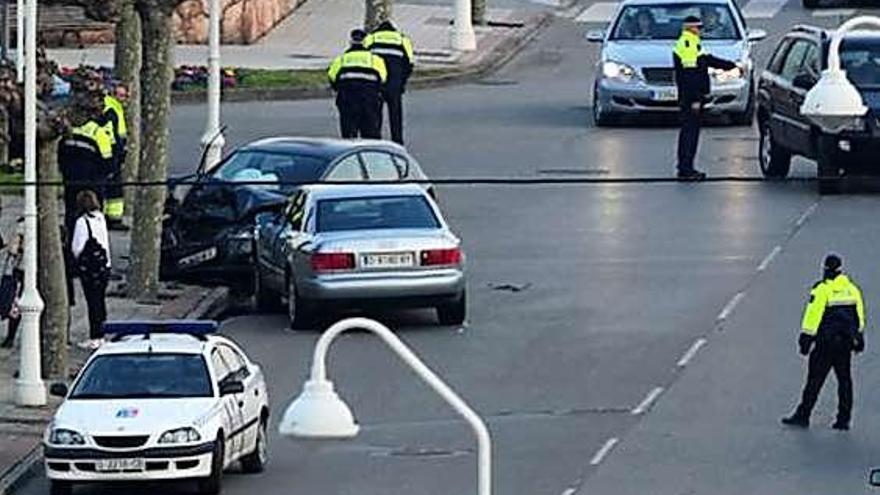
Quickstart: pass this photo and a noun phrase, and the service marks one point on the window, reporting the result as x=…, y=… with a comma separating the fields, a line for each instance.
x=392, y=212
x=861, y=61
x=348, y=169
x=380, y=166
x=794, y=59
x=811, y=61
x=664, y=21
x=235, y=362
x=144, y=376
x=221, y=368
x=775, y=65
x=270, y=166
x=402, y=165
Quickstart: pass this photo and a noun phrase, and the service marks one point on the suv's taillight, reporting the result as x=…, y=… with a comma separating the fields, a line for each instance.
x=435, y=257
x=325, y=262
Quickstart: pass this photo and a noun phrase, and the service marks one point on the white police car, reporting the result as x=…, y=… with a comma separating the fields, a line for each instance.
x=160, y=401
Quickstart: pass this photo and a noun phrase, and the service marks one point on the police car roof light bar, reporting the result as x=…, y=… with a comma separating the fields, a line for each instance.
x=196, y=328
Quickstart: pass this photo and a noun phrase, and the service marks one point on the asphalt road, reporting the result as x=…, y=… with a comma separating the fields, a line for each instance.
x=694, y=290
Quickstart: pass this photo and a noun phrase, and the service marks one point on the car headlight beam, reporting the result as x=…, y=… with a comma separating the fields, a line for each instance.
x=617, y=70
x=180, y=435
x=64, y=436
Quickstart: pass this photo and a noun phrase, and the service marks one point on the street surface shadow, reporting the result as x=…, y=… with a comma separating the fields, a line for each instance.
x=661, y=121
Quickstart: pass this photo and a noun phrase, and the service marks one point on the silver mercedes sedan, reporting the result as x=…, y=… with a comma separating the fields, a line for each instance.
x=635, y=71
x=338, y=247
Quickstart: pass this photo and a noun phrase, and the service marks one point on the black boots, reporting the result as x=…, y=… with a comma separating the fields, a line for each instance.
x=797, y=420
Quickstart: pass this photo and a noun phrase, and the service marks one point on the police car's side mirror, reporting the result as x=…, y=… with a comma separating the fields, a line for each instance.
x=874, y=477
x=231, y=387
x=58, y=390
x=596, y=36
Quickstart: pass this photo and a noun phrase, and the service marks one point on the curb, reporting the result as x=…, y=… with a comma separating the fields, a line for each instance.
x=30, y=466
x=494, y=60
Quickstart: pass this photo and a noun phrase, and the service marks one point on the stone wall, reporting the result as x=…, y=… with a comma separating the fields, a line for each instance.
x=244, y=21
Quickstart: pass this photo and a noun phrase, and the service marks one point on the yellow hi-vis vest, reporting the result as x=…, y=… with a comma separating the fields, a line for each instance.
x=111, y=103
x=392, y=43
x=839, y=293
x=358, y=65
x=688, y=48
x=92, y=136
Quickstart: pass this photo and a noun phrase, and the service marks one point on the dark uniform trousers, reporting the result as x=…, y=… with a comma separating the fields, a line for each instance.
x=823, y=359
x=394, y=100
x=360, y=111
x=688, y=136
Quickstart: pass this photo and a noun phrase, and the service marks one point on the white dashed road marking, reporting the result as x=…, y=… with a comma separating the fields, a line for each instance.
x=598, y=12
x=648, y=401
x=600, y=455
x=763, y=9
x=769, y=259
x=834, y=12
x=731, y=305
x=806, y=215
x=570, y=491
x=686, y=358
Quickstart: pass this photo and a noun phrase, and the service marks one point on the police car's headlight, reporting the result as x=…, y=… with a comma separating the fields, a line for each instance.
x=721, y=75
x=63, y=436
x=180, y=435
x=616, y=70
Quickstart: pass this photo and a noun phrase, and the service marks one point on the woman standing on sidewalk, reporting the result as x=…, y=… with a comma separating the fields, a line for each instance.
x=11, y=279
x=91, y=250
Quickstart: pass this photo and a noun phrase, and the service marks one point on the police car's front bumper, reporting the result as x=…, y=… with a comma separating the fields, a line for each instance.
x=159, y=463
x=637, y=96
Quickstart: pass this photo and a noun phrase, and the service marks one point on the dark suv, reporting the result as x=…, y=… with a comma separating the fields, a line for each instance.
x=793, y=69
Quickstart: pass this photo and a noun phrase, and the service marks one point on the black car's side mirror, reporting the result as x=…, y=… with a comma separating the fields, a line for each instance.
x=231, y=387
x=804, y=81
x=874, y=477
x=58, y=390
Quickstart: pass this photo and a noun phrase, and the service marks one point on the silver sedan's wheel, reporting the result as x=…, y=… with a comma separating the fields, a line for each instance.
x=298, y=311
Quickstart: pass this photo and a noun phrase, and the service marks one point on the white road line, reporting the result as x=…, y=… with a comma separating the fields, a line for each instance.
x=686, y=358
x=834, y=12
x=570, y=491
x=648, y=400
x=731, y=305
x=769, y=259
x=570, y=13
x=762, y=9
x=598, y=12
x=803, y=218
x=600, y=455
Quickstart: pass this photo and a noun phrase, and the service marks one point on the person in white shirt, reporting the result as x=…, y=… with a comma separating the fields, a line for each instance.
x=91, y=250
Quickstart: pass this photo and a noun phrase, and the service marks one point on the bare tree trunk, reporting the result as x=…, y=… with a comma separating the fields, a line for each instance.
x=128, y=68
x=156, y=78
x=376, y=12
x=4, y=135
x=52, y=281
x=478, y=12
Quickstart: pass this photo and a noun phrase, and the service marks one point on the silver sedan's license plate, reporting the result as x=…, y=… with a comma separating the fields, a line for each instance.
x=670, y=94
x=120, y=465
x=198, y=258
x=387, y=260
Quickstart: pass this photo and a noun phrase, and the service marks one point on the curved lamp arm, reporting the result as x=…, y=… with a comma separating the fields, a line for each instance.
x=837, y=39
x=484, y=445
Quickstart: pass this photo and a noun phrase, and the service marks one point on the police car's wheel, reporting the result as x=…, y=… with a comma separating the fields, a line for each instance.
x=255, y=462
x=60, y=487
x=213, y=483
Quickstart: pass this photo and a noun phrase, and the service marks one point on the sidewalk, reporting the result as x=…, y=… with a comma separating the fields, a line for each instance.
x=21, y=428
x=316, y=32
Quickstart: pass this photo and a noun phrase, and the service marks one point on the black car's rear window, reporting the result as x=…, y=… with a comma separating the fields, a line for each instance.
x=389, y=212
x=144, y=376
x=271, y=167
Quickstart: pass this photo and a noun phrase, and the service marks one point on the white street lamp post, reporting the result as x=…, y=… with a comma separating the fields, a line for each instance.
x=29, y=387
x=834, y=102
x=463, y=37
x=19, y=40
x=319, y=412
x=213, y=138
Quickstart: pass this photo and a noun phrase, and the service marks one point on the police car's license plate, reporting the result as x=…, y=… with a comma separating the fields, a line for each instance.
x=120, y=465
x=387, y=260
x=666, y=94
x=198, y=258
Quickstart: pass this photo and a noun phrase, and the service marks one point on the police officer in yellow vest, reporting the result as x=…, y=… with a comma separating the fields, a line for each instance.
x=396, y=50
x=692, y=79
x=114, y=114
x=833, y=325
x=358, y=76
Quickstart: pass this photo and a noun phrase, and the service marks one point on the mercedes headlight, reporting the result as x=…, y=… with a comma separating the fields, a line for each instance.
x=721, y=75
x=180, y=435
x=63, y=436
x=616, y=70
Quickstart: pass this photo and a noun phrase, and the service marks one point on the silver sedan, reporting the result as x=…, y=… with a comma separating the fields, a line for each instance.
x=359, y=246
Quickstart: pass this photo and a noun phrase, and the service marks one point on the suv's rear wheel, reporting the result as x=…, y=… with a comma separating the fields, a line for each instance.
x=775, y=160
x=828, y=161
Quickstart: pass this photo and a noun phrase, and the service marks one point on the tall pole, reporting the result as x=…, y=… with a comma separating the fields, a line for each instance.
x=19, y=39
x=463, y=37
x=212, y=138
x=4, y=29
x=29, y=387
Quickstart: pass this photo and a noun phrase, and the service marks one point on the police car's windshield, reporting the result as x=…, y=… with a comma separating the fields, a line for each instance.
x=271, y=167
x=144, y=376
x=664, y=21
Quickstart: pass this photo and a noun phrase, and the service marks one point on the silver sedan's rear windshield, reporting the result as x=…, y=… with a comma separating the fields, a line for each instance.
x=389, y=212
x=664, y=21
x=144, y=376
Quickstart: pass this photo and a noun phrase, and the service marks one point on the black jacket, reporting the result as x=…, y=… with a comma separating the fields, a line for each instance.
x=693, y=84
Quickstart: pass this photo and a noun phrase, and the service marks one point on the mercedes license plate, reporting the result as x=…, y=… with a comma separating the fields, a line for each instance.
x=387, y=260
x=120, y=465
x=198, y=258
x=670, y=94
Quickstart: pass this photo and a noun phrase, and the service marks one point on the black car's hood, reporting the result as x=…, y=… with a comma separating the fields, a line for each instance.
x=249, y=200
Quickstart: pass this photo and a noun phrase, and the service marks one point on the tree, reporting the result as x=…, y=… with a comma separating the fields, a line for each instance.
x=127, y=68
x=157, y=72
x=376, y=11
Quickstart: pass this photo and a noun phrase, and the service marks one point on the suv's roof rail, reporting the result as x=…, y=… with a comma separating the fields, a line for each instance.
x=807, y=28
